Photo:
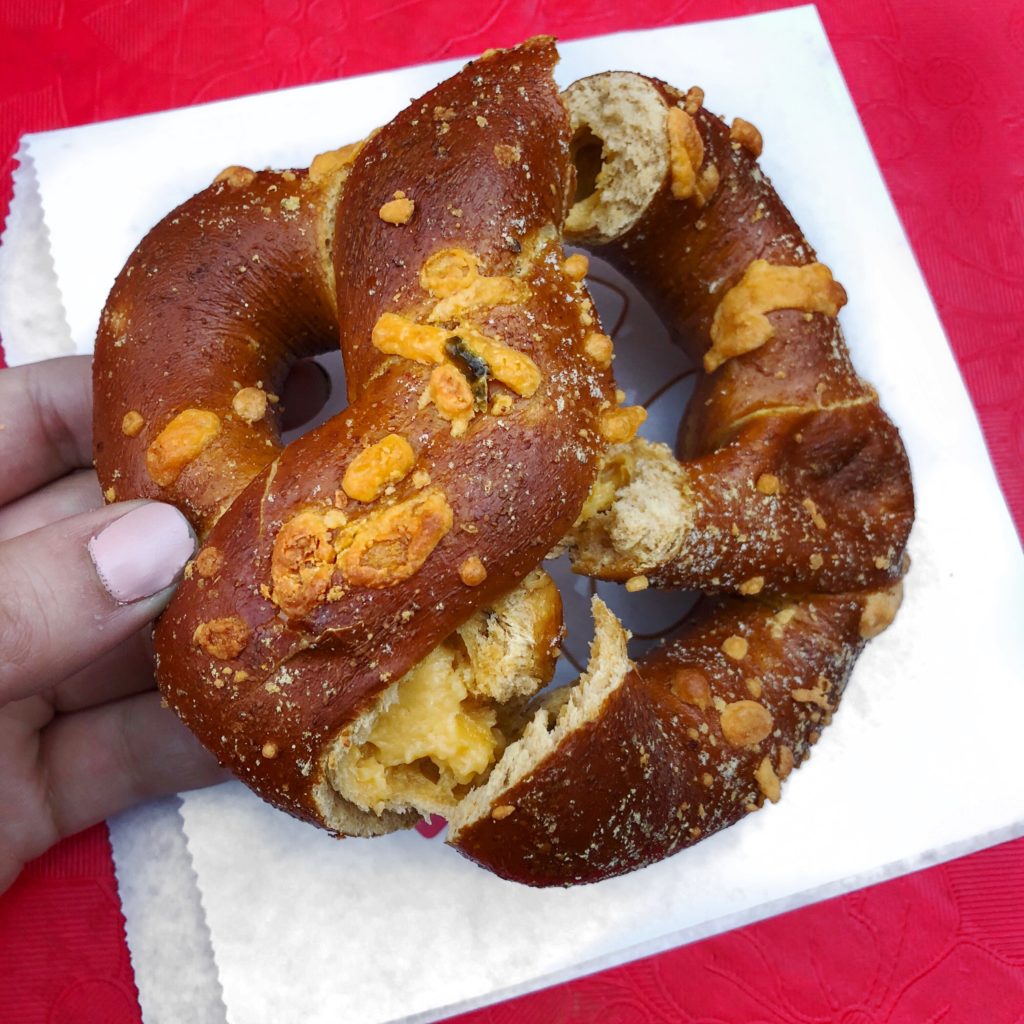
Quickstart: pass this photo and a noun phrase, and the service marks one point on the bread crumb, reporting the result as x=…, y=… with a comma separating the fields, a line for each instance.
x=250, y=404
x=735, y=647
x=576, y=267
x=752, y=586
x=745, y=723
x=598, y=348
x=235, y=176
x=472, y=572
x=747, y=136
x=132, y=423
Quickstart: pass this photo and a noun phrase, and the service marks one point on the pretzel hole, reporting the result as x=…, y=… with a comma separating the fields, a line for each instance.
x=307, y=399
x=588, y=157
x=305, y=392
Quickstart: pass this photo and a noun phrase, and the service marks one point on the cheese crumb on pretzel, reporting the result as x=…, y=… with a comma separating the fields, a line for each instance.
x=397, y=211
x=740, y=325
x=181, y=441
x=301, y=564
x=745, y=723
x=451, y=395
x=223, y=639
x=208, y=562
x=686, y=152
x=484, y=292
x=599, y=348
x=132, y=423
x=735, y=647
x=511, y=367
x=879, y=611
x=396, y=335
x=386, y=462
x=236, y=177
x=326, y=165
x=576, y=267
x=746, y=135
x=618, y=426
x=689, y=179
x=390, y=545
x=250, y=404
x=472, y=572
x=452, y=276
x=691, y=686
x=767, y=780
x=424, y=343
x=448, y=271
x=507, y=155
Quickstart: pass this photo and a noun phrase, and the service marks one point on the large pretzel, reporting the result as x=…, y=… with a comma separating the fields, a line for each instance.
x=364, y=623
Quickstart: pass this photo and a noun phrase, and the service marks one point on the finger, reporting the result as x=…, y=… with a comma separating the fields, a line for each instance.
x=78, y=588
x=106, y=759
x=122, y=672
x=46, y=413
x=77, y=492
x=305, y=393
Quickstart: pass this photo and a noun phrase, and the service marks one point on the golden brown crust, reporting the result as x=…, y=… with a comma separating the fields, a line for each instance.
x=338, y=602
x=684, y=747
x=481, y=405
x=791, y=480
x=741, y=290
x=197, y=323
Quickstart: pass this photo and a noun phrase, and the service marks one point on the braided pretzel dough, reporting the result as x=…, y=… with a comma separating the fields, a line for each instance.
x=362, y=630
x=793, y=493
x=381, y=552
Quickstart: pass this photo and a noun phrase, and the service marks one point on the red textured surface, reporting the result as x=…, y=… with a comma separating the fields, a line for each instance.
x=938, y=86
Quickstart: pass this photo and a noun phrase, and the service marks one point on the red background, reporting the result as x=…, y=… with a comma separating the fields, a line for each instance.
x=939, y=88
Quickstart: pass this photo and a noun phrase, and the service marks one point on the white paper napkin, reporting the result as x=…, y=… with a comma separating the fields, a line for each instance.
x=920, y=765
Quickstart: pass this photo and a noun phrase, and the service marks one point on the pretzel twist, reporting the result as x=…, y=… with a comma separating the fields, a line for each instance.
x=361, y=631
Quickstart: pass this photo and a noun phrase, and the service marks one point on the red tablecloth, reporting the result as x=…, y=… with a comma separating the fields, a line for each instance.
x=939, y=88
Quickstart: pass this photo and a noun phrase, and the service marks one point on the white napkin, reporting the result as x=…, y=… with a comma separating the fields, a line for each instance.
x=921, y=763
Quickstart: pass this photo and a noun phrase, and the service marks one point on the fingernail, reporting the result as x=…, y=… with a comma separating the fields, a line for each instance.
x=142, y=552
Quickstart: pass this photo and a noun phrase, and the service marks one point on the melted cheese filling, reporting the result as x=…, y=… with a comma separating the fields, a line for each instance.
x=615, y=473
x=431, y=743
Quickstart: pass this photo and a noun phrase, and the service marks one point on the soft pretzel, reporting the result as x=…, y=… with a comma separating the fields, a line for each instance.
x=333, y=570
x=363, y=628
x=793, y=493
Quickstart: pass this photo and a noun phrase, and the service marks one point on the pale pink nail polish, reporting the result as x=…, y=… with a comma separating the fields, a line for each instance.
x=142, y=552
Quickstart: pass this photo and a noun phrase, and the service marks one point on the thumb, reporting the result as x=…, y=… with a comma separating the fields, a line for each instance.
x=73, y=590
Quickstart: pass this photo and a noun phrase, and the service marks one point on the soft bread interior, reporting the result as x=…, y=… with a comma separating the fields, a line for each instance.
x=437, y=731
x=621, y=153
x=558, y=715
x=637, y=514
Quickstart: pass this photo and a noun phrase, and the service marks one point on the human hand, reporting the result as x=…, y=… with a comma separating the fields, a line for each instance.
x=82, y=732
